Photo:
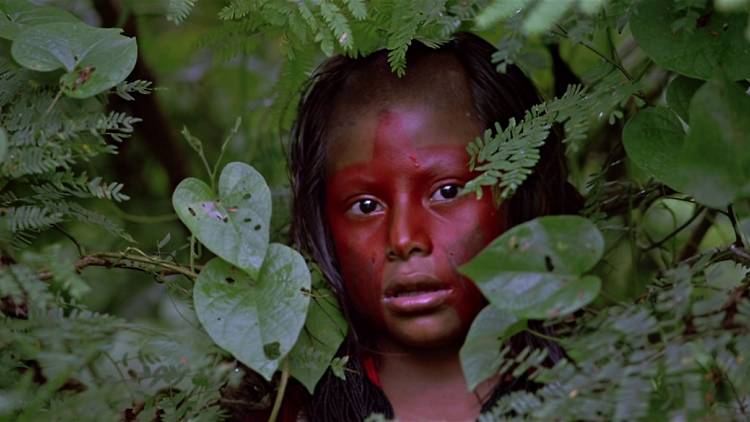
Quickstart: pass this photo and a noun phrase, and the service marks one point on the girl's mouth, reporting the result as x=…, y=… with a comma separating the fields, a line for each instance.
x=412, y=296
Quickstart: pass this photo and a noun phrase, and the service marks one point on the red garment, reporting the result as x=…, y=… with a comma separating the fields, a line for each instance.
x=372, y=373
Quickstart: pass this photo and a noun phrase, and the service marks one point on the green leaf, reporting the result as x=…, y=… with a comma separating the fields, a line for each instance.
x=15, y=15
x=94, y=59
x=3, y=144
x=533, y=270
x=544, y=15
x=744, y=226
x=234, y=225
x=715, y=45
x=497, y=11
x=715, y=158
x=338, y=367
x=481, y=354
x=725, y=275
x=325, y=329
x=256, y=320
x=679, y=94
x=652, y=139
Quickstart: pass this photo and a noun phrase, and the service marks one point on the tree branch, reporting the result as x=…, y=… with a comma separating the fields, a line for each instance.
x=143, y=263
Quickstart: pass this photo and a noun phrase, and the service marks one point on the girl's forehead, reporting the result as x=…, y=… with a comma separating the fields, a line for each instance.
x=430, y=105
x=401, y=129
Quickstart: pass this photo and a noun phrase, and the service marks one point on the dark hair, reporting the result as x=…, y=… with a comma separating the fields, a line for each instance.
x=496, y=97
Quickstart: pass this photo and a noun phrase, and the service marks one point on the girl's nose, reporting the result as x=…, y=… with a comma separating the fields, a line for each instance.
x=408, y=233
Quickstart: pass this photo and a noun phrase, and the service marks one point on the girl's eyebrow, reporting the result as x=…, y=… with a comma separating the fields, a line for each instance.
x=446, y=164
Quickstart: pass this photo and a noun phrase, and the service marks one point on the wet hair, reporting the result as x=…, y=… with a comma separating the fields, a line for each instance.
x=495, y=97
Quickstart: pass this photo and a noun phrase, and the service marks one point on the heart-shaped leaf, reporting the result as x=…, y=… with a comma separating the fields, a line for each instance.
x=701, y=49
x=94, y=59
x=325, y=329
x=234, y=225
x=715, y=157
x=481, y=353
x=533, y=270
x=652, y=139
x=18, y=14
x=256, y=320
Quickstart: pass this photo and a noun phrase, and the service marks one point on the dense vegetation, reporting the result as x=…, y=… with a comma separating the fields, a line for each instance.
x=129, y=290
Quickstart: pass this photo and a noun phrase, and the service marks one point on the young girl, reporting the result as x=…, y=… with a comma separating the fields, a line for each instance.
x=377, y=164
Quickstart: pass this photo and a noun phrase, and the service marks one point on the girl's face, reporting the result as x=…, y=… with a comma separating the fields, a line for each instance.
x=399, y=227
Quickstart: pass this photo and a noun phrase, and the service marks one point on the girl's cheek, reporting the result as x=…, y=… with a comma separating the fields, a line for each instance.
x=363, y=277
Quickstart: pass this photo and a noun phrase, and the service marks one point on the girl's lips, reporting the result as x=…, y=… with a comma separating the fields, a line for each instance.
x=417, y=302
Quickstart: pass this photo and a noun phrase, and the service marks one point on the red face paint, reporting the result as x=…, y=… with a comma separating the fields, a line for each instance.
x=401, y=230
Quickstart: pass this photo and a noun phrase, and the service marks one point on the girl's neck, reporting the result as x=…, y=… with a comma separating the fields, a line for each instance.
x=428, y=384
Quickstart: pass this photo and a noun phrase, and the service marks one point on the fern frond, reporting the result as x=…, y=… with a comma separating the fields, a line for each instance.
x=237, y=9
x=34, y=218
x=507, y=156
x=125, y=88
x=337, y=23
x=295, y=71
x=61, y=185
x=510, y=46
x=399, y=42
x=84, y=215
x=12, y=79
x=116, y=125
x=7, y=198
x=179, y=10
x=35, y=160
x=357, y=8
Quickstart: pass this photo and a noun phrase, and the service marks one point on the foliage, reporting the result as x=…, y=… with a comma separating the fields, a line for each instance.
x=647, y=292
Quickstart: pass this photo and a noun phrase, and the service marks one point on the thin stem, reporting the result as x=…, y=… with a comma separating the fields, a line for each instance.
x=79, y=248
x=564, y=34
x=280, y=392
x=229, y=137
x=542, y=335
x=735, y=226
x=674, y=232
x=54, y=101
x=143, y=219
x=192, y=252
x=122, y=376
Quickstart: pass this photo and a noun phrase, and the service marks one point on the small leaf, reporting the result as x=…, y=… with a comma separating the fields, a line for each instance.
x=163, y=242
x=256, y=320
x=699, y=52
x=234, y=226
x=338, y=367
x=481, y=352
x=533, y=270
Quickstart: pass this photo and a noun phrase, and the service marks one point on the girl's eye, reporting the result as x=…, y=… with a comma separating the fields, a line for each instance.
x=366, y=206
x=445, y=192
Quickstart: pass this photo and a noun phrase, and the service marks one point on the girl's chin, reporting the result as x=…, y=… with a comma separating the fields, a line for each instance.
x=437, y=329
